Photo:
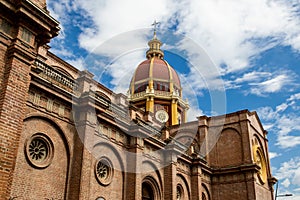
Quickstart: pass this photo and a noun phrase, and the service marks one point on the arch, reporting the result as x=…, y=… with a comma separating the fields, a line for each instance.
x=228, y=151
x=150, y=185
x=116, y=152
x=185, y=184
x=56, y=126
x=156, y=172
x=205, y=192
x=257, y=142
x=41, y=128
x=179, y=192
x=231, y=129
x=259, y=158
x=103, y=149
x=147, y=191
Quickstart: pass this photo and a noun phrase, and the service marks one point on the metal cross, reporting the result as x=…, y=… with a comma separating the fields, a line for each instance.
x=155, y=23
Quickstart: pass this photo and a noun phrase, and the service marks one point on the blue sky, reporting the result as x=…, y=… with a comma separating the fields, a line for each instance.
x=231, y=55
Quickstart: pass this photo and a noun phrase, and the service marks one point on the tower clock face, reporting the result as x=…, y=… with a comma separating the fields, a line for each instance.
x=162, y=116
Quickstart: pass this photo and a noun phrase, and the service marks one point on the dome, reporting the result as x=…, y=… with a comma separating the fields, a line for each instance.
x=155, y=88
x=155, y=73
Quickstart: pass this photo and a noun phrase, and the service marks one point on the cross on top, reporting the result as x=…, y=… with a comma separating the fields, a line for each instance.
x=155, y=23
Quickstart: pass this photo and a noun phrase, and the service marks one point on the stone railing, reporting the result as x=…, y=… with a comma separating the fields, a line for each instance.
x=162, y=93
x=137, y=95
x=50, y=73
x=156, y=93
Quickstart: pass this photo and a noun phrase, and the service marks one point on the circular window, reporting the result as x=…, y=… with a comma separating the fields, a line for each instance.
x=39, y=150
x=103, y=171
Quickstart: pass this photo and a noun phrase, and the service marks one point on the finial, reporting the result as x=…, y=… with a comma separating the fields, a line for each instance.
x=154, y=44
x=155, y=23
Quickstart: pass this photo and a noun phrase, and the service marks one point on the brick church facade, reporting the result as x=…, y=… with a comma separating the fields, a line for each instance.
x=64, y=135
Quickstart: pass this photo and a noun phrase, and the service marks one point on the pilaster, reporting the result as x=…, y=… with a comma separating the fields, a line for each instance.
x=170, y=186
x=196, y=179
x=85, y=121
x=174, y=112
x=134, y=163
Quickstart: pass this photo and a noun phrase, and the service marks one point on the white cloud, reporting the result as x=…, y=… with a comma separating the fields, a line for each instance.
x=287, y=141
x=231, y=32
x=262, y=83
x=79, y=63
x=284, y=121
x=59, y=10
x=120, y=76
x=294, y=97
x=115, y=17
x=289, y=170
x=61, y=50
x=272, y=85
x=294, y=197
x=234, y=31
x=267, y=113
x=273, y=155
x=253, y=76
x=282, y=107
x=286, y=183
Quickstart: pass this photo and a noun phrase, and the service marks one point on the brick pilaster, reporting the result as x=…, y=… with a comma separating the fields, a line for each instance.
x=12, y=109
x=85, y=121
x=170, y=183
x=134, y=163
x=196, y=180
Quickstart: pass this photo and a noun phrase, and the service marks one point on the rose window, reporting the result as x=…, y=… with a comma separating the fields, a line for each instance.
x=39, y=150
x=104, y=171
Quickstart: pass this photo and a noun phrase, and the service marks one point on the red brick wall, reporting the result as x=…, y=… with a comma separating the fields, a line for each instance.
x=117, y=185
x=228, y=150
x=228, y=191
x=2, y=63
x=33, y=183
x=12, y=104
x=262, y=192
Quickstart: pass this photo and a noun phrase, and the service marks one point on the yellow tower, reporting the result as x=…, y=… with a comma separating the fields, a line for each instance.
x=155, y=87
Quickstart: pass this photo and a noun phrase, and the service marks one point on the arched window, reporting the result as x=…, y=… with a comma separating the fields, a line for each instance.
x=203, y=196
x=179, y=192
x=147, y=192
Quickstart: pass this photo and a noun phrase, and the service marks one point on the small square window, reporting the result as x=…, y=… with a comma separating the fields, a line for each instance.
x=26, y=35
x=6, y=27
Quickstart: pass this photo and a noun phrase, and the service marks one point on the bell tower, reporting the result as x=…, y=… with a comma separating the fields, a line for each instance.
x=155, y=87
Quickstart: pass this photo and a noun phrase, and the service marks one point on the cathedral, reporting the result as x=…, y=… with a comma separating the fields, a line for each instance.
x=64, y=135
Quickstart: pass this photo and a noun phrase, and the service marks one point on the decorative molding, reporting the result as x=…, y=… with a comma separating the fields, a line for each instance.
x=55, y=75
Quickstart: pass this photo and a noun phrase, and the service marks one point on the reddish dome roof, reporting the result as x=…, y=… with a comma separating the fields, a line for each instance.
x=155, y=69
